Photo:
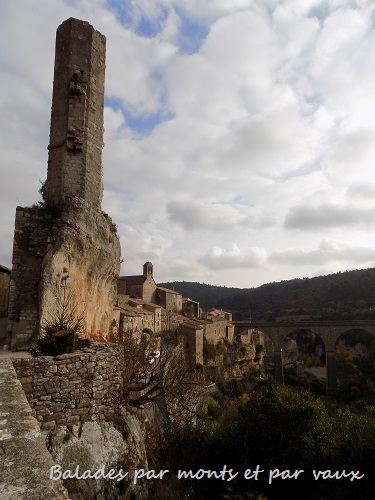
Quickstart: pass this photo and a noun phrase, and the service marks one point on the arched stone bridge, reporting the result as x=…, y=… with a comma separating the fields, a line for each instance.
x=329, y=331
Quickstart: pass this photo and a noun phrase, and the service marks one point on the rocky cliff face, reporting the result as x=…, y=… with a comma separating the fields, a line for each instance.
x=71, y=249
x=78, y=400
x=84, y=257
x=117, y=444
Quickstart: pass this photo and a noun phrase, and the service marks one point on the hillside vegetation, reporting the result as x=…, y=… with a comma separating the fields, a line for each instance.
x=346, y=295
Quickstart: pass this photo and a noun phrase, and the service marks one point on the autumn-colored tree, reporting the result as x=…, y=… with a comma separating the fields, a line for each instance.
x=344, y=361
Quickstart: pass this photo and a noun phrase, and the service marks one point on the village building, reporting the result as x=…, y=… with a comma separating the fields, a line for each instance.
x=216, y=329
x=142, y=304
x=218, y=314
x=191, y=308
x=194, y=333
x=169, y=299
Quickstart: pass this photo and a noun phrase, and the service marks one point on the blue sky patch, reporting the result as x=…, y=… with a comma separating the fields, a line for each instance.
x=142, y=124
x=192, y=33
x=321, y=12
x=136, y=18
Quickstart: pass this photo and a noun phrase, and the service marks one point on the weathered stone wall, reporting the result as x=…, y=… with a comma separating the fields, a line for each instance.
x=86, y=426
x=74, y=388
x=32, y=237
x=194, y=341
x=218, y=329
x=4, y=291
x=77, y=399
x=148, y=291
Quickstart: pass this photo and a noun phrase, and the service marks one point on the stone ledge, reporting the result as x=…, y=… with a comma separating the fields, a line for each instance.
x=25, y=461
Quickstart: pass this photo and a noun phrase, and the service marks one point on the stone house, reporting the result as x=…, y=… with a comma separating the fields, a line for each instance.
x=193, y=305
x=193, y=333
x=216, y=329
x=133, y=317
x=213, y=330
x=218, y=313
x=169, y=299
x=170, y=321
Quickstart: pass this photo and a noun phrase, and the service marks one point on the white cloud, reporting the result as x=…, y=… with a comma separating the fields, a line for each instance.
x=210, y=216
x=329, y=251
x=231, y=257
x=361, y=191
x=329, y=215
x=255, y=117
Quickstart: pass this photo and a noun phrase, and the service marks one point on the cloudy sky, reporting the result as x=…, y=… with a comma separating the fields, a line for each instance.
x=239, y=135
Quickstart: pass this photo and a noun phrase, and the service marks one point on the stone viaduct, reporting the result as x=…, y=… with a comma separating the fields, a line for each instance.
x=328, y=331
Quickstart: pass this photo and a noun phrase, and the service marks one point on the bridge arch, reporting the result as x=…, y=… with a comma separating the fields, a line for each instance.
x=310, y=345
x=354, y=336
x=354, y=357
x=329, y=331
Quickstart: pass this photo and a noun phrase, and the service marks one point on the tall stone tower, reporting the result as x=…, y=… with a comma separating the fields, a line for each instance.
x=76, y=136
x=67, y=244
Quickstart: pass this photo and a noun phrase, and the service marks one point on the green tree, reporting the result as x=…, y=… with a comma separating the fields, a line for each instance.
x=276, y=427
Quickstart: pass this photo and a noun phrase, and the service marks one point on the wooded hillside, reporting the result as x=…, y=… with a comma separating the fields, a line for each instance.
x=346, y=295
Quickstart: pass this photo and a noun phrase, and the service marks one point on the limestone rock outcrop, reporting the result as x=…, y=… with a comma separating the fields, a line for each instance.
x=66, y=246
x=92, y=445
x=83, y=257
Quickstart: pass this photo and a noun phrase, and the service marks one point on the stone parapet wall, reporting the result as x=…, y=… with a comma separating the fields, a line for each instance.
x=74, y=388
x=25, y=462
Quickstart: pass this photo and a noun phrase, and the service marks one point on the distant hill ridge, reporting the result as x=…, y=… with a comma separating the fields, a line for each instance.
x=343, y=295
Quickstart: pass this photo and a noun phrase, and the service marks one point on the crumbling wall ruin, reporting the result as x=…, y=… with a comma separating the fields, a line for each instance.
x=66, y=241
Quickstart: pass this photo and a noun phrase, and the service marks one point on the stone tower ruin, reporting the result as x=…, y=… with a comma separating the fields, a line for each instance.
x=66, y=244
x=76, y=137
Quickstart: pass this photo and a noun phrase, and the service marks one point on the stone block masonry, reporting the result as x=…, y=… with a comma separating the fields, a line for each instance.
x=74, y=388
x=32, y=237
x=76, y=136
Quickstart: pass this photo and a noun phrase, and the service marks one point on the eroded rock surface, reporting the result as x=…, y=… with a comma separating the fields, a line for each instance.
x=117, y=444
